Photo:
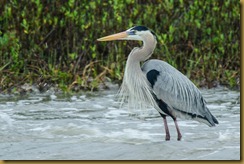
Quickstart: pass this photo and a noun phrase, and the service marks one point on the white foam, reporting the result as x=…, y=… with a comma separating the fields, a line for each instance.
x=149, y=125
x=6, y=118
x=73, y=98
x=69, y=109
x=188, y=123
x=115, y=113
x=83, y=97
x=10, y=103
x=128, y=135
x=41, y=128
x=227, y=136
x=215, y=106
x=226, y=104
x=98, y=106
x=53, y=97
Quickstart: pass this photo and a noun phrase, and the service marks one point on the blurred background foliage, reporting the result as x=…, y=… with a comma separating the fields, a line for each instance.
x=47, y=43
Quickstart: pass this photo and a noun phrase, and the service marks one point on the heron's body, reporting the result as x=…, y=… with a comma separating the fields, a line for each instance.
x=184, y=101
x=158, y=84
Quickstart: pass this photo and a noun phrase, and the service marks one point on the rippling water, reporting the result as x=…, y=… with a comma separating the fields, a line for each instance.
x=91, y=126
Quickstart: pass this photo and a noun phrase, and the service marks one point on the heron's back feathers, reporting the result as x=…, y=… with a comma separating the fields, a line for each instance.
x=182, y=97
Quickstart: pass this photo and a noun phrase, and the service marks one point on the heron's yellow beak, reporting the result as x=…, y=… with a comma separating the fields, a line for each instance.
x=118, y=36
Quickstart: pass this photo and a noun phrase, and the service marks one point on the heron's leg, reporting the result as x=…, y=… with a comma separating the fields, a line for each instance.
x=167, y=137
x=178, y=130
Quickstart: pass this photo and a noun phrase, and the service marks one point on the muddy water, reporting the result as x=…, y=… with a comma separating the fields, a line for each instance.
x=91, y=126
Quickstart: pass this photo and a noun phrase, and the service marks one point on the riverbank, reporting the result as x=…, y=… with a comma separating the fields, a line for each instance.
x=26, y=88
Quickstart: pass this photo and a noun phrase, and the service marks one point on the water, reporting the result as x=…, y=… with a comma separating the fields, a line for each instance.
x=91, y=126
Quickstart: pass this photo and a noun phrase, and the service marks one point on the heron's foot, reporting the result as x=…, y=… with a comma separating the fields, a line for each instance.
x=167, y=137
x=179, y=137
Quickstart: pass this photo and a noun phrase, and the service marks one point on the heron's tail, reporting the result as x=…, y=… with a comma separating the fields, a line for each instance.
x=214, y=119
x=211, y=120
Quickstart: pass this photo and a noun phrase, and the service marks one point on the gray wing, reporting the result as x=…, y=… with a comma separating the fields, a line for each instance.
x=181, y=96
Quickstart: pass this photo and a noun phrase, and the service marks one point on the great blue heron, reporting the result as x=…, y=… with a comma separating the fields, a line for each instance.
x=159, y=84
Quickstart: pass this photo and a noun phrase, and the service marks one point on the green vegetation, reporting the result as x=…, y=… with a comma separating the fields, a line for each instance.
x=54, y=42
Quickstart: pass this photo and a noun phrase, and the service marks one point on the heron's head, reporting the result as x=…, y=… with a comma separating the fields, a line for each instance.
x=134, y=33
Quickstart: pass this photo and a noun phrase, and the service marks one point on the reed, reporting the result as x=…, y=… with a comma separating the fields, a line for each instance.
x=54, y=42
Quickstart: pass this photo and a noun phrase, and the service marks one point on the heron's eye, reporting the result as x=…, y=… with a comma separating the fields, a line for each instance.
x=132, y=32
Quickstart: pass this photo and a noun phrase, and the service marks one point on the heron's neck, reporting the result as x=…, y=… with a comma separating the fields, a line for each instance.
x=138, y=55
x=144, y=52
